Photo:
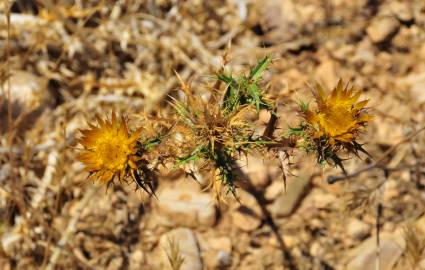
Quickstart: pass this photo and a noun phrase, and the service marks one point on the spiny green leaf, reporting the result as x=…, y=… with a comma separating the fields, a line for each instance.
x=197, y=154
x=258, y=70
x=254, y=93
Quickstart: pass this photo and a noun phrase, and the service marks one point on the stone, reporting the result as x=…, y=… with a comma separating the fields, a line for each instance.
x=287, y=202
x=383, y=29
x=186, y=207
x=416, y=85
x=357, y=229
x=323, y=199
x=317, y=250
x=219, y=253
x=217, y=259
x=326, y=73
x=392, y=190
x=417, y=91
x=257, y=171
x=247, y=216
x=274, y=189
x=28, y=90
x=403, y=11
x=364, y=256
x=187, y=246
x=221, y=243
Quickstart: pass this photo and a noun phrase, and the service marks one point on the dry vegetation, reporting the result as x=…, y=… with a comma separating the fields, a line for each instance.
x=223, y=92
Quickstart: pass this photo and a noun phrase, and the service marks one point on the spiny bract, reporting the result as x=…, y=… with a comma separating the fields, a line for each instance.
x=109, y=149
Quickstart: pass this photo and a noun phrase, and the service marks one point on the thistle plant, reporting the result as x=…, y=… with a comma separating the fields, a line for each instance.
x=214, y=133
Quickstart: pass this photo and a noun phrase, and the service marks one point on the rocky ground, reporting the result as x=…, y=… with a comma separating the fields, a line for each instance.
x=68, y=61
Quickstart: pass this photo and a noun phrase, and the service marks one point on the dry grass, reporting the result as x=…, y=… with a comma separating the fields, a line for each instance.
x=63, y=62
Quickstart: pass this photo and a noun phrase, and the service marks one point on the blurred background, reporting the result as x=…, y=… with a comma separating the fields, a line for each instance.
x=64, y=61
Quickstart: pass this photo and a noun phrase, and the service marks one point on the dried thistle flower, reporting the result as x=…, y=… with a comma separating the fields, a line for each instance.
x=334, y=124
x=110, y=149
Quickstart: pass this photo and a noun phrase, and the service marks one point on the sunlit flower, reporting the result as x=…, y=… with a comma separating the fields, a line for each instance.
x=109, y=149
x=339, y=115
x=334, y=124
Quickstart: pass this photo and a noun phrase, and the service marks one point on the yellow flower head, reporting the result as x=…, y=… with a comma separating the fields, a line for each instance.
x=110, y=149
x=339, y=115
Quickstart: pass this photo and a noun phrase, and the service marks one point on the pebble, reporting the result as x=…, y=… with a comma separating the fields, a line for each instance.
x=416, y=84
x=274, y=189
x=317, y=250
x=187, y=244
x=287, y=202
x=357, y=229
x=221, y=243
x=217, y=259
x=383, y=29
x=364, y=256
x=326, y=73
x=186, y=207
x=247, y=216
x=257, y=171
x=28, y=90
x=402, y=11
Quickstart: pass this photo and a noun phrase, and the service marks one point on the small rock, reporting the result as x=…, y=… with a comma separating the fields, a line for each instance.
x=186, y=207
x=287, y=202
x=316, y=250
x=364, y=256
x=403, y=11
x=218, y=259
x=392, y=191
x=418, y=91
x=10, y=242
x=186, y=245
x=323, y=199
x=257, y=171
x=272, y=191
x=383, y=29
x=28, y=90
x=247, y=216
x=221, y=243
x=357, y=229
x=416, y=84
x=326, y=73
x=281, y=17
